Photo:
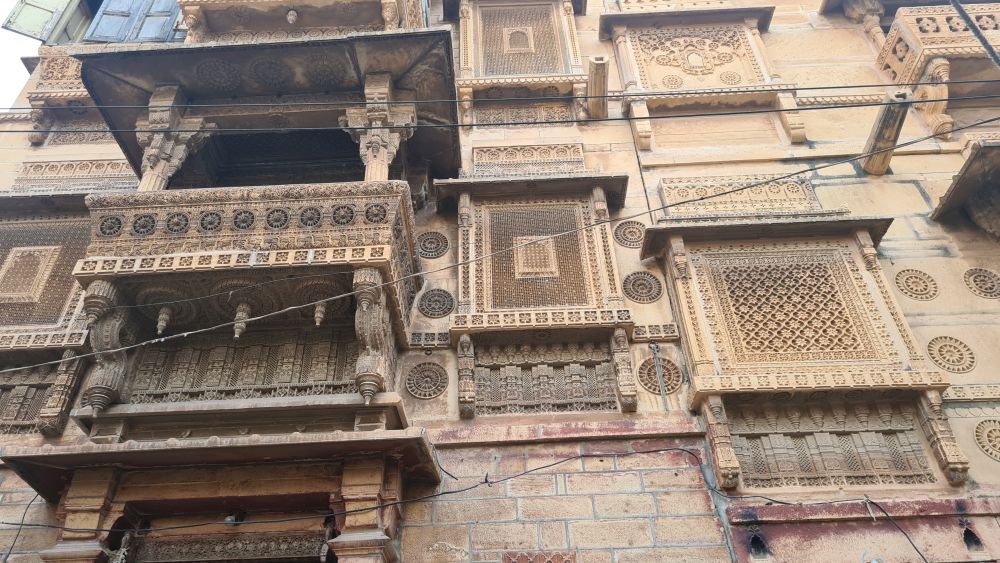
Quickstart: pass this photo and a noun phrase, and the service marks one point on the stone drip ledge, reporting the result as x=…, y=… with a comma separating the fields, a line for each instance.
x=506, y=431
x=760, y=514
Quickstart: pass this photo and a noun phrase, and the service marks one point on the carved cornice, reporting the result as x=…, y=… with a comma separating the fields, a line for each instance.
x=540, y=319
x=972, y=393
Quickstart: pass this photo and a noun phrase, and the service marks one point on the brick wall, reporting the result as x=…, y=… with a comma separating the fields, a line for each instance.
x=646, y=507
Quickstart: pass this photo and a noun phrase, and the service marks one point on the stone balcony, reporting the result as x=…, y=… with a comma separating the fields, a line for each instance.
x=258, y=21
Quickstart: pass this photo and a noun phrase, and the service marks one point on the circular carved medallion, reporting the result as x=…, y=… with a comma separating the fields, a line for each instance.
x=436, y=303
x=243, y=219
x=270, y=72
x=988, y=437
x=210, y=221
x=731, y=78
x=178, y=223
x=144, y=224
x=917, y=285
x=642, y=287
x=310, y=216
x=629, y=233
x=277, y=218
x=218, y=75
x=983, y=282
x=672, y=81
x=426, y=381
x=432, y=244
x=110, y=226
x=343, y=215
x=671, y=376
x=376, y=213
x=951, y=354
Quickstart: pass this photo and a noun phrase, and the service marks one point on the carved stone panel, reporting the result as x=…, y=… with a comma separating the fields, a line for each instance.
x=829, y=443
x=527, y=160
x=260, y=364
x=25, y=272
x=544, y=378
x=790, y=195
x=74, y=176
x=520, y=39
x=696, y=57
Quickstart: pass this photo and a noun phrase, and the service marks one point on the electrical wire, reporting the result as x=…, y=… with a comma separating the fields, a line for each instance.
x=898, y=527
x=449, y=125
x=20, y=526
x=617, y=95
x=291, y=308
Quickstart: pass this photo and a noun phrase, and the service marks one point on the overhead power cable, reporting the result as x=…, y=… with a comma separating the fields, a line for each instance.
x=615, y=96
x=450, y=125
x=382, y=285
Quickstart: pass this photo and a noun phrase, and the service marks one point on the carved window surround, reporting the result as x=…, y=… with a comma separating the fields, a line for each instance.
x=360, y=224
x=213, y=21
x=718, y=52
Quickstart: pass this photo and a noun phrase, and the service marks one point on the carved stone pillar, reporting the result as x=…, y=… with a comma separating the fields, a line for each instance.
x=727, y=465
x=936, y=76
x=86, y=504
x=626, y=64
x=464, y=253
x=466, y=377
x=376, y=352
x=936, y=427
x=622, y=358
x=380, y=126
x=597, y=88
x=574, y=43
x=465, y=39
x=367, y=536
x=52, y=417
x=167, y=138
x=110, y=329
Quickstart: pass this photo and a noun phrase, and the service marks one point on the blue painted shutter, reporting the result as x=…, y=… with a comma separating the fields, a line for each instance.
x=156, y=21
x=134, y=20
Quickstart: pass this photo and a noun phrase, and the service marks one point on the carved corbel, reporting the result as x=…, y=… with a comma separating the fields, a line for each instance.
x=41, y=124
x=677, y=255
x=167, y=138
x=466, y=377
x=935, y=87
x=791, y=119
x=52, y=418
x=641, y=126
x=194, y=21
x=465, y=97
x=380, y=126
x=868, y=252
x=390, y=15
x=110, y=329
x=622, y=358
x=727, y=465
x=597, y=88
x=885, y=133
x=939, y=434
x=580, y=100
x=373, y=329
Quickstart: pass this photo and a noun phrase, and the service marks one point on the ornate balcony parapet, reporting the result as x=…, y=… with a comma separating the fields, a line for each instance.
x=240, y=21
x=73, y=176
x=349, y=225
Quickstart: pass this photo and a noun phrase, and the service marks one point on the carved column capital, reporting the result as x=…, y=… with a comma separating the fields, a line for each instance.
x=167, y=137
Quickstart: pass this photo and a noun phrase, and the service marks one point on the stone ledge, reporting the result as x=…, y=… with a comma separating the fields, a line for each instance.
x=923, y=508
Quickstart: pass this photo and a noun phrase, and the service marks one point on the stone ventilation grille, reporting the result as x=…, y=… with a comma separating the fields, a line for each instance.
x=828, y=444
x=501, y=24
x=260, y=364
x=561, y=282
x=528, y=160
x=544, y=378
x=790, y=307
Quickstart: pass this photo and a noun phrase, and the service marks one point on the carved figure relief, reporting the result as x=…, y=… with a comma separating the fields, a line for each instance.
x=916, y=284
x=951, y=354
x=701, y=56
x=983, y=282
x=650, y=382
x=988, y=437
x=829, y=443
x=544, y=378
x=426, y=381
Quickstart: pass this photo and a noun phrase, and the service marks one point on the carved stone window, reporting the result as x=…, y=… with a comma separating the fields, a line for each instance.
x=829, y=443
x=518, y=40
x=24, y=273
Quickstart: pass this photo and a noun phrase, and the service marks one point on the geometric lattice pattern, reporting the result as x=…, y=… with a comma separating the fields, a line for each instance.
x=790, y=306
x=531, y=30
x=24, y=273
x=829, y=444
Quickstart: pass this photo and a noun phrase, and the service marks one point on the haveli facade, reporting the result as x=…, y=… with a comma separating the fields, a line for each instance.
x=526, y=209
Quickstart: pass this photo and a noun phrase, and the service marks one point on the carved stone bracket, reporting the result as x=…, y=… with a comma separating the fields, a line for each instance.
x=624, y=373
x=368, y=535
x=935, y=87
x=380, y=126
x=939, y=434
x=727, y=465
x=110, y=328
x=167, y=138
x=466, y=377
x=376, y=354
x=869, y=13
x=885, y=133
x=52, y=418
